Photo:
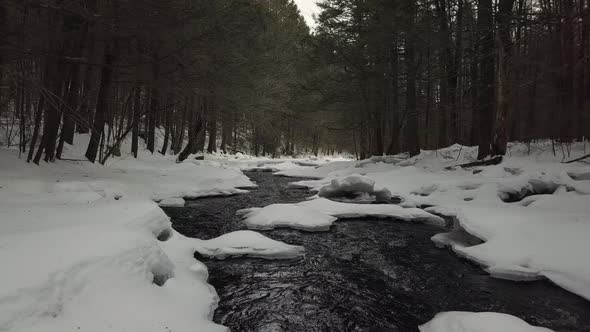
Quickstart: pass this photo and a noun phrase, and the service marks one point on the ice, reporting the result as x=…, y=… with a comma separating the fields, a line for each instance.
x=319, y=214
x=246, y=243
x=460, y=321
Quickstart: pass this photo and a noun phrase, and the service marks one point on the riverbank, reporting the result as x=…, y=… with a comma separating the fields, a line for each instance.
x=361, y=274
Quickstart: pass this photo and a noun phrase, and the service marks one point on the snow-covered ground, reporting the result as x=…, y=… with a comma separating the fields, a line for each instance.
x=86, y=247
x=525, y=219
x=457, y=321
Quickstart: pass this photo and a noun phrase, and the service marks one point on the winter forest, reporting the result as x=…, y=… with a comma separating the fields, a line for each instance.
x=374, y=77
x=307, y=165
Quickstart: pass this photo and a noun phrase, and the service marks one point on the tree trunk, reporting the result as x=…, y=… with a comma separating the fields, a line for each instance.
x=412, y=137
x=212, y=146
x=101, y=105
x=38, y=116
x=154, y=104
x=485, y=25
x=136, y=120
x=569, y=123
x=503, y=40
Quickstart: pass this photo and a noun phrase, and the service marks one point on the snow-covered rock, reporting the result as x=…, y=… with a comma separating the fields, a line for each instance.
x=246, y=243
x=354, y=185
x=459, y=321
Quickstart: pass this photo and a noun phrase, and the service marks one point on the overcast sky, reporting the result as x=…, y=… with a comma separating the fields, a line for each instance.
x=308, y=8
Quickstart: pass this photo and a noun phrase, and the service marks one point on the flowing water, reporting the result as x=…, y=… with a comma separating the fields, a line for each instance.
x=362, y=275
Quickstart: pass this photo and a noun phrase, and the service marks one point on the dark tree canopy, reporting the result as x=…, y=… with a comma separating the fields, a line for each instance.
x=375, y=77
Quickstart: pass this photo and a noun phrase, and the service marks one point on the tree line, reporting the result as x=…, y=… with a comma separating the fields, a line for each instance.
x=375, y=77
x=414, y=74
x=231, y=71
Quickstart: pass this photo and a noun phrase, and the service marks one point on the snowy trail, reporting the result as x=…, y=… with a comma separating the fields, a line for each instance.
x=361, y=274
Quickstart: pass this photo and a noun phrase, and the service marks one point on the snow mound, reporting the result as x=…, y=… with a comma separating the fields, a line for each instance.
x=85, y=247
x=459, y=321
x=526, y=243
x=286, y=215
x=352, y=186
x=246, y=243
x=319, y=214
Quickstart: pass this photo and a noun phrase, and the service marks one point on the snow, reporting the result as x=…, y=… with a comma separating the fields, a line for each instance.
x=319, y=214
x=246, y=243
x=525, y=219
x=286, y=215
x=86, y=247
x=275, y=166
x=355, y=185
x=172, y=202
x=459, y=321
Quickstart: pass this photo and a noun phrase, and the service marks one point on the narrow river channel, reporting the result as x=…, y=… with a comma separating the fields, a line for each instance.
x=362, y=275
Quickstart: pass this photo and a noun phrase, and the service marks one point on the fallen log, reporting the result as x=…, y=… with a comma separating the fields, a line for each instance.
x=486, y=162
x=577, y=159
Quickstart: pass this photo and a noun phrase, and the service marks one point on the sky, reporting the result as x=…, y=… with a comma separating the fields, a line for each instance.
x=307, y=9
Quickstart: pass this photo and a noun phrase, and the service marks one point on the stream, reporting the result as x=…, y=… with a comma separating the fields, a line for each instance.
x=362, y=275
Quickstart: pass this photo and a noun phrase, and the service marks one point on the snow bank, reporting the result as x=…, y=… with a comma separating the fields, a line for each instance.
x=458, y=321
x=319, y=214
x=85, y=247
x=525, y=219
x=528, y=243
x=246, y=243
x=172, y=202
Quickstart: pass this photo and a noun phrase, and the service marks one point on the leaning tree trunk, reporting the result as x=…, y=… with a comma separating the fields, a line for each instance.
x=197, y=131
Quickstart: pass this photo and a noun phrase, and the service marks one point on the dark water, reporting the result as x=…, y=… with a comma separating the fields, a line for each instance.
x=362, y=275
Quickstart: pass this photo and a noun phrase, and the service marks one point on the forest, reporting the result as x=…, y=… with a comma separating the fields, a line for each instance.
x=373, y=77
x=294, y=165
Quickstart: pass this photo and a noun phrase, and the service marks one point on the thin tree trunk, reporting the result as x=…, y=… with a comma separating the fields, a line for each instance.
x=38, y=116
